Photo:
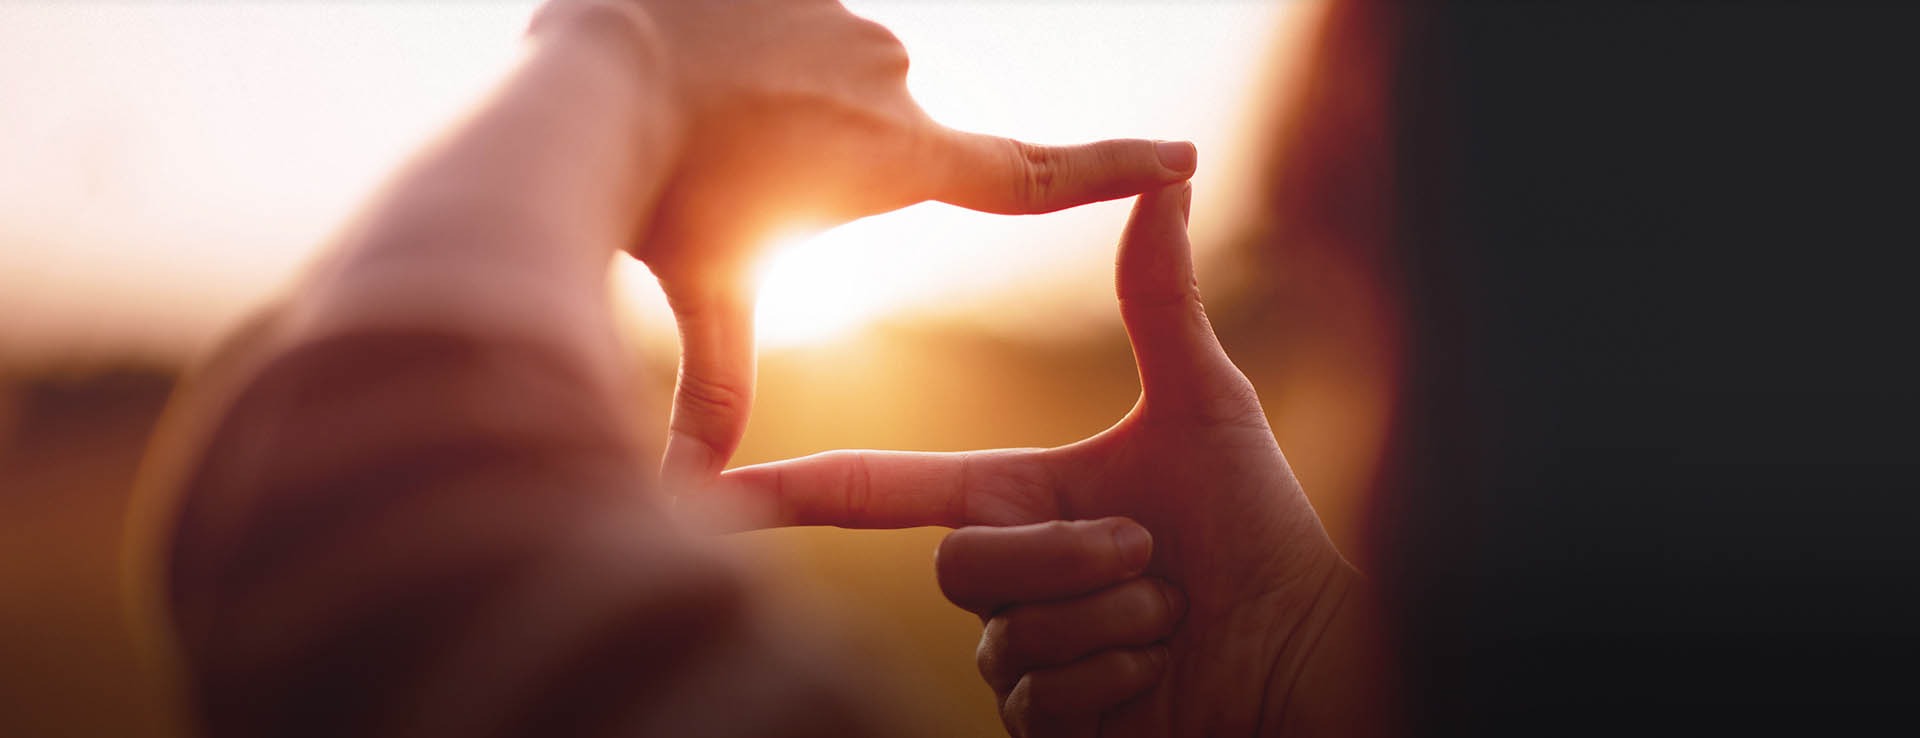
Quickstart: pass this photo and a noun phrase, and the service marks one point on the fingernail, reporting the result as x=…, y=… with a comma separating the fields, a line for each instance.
x=1176, y=602
x=1186, y=201
x=1179, y=157
x=1135, y=544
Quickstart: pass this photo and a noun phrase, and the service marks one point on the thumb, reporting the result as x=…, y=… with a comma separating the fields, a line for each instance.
x=1001, y=175
x=1183, y=369
x=714, y=391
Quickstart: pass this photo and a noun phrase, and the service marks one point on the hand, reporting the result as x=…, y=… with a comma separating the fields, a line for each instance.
x=795, y=113
x=1269, y=641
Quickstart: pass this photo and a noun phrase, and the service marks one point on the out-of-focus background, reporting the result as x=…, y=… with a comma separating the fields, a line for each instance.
x=166, y=166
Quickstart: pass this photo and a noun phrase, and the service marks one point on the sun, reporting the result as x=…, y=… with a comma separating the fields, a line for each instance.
x=814, y=289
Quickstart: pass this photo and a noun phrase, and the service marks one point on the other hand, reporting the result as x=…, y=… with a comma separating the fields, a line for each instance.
x=1195, y=463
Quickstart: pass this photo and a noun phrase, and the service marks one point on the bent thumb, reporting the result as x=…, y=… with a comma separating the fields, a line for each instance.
x=713, y=393
x=1183, y=368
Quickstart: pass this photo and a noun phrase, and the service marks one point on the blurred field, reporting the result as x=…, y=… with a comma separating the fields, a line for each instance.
x=69, y=443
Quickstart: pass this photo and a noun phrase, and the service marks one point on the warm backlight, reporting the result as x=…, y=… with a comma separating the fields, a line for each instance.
x=799, y=302
x=172, y=163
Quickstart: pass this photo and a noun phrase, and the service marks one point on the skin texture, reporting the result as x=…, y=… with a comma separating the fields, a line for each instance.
x=1166, y=577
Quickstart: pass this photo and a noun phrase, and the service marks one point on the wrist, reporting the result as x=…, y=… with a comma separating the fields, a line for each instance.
x=618, y=42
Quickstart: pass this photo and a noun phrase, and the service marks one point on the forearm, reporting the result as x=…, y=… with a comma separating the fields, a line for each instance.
x=504, y=226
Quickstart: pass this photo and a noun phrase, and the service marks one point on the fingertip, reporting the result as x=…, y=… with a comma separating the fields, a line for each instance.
x=1179, y=158
x=688, y=462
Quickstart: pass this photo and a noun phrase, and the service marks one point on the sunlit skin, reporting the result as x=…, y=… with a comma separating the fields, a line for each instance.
x=1246, y=620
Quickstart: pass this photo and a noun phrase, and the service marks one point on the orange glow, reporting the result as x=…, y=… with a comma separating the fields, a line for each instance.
x=1166, y=70
x=793, y=306
x=180, y=161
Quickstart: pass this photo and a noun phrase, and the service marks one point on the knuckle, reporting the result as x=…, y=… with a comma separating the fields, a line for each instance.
x=891, y=53
x=1012, y=635
x=858, y=485
x=995, y=663
x=883, y=46
x=1034, y=698
x=1016, y=711
x=1234, y=401
x=700, y=394
x=1029, y=482
x=1039, y=167
x=876, y=31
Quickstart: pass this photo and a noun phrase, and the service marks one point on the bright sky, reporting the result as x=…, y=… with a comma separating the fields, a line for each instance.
x=165, y=165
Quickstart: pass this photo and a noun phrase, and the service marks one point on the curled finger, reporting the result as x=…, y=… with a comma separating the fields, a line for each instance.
x=1022, y=639
x=1069, y=699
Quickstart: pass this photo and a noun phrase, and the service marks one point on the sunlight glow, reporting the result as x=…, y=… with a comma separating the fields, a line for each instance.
x=1166, y=70
x=179, y=161
x=796, y=303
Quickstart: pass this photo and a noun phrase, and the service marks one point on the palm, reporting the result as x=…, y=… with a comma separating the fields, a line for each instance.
x=1194, y=462
x=1240, y=541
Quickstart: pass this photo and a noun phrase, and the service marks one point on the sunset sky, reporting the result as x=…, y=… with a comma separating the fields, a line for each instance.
x=165, y=165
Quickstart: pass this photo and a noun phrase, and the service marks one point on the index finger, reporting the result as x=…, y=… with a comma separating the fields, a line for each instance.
x=1002, y=175
x=888, y=489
